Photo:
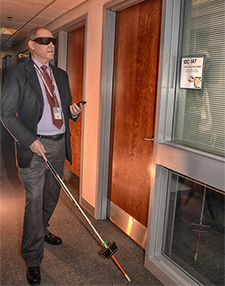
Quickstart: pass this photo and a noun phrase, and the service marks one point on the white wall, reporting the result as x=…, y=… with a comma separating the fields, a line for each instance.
x=93, y=9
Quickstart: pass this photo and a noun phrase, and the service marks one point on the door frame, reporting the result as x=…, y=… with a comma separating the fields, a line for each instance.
x=62, y=63
x=106, y=108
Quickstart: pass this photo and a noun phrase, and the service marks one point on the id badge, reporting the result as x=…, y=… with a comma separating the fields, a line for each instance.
x=57, y=113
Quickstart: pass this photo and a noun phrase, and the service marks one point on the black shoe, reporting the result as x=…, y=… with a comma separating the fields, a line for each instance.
x=52, y=239
x=33, y=275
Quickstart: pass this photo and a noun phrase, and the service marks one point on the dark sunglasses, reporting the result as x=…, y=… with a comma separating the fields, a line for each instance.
x=45, y=40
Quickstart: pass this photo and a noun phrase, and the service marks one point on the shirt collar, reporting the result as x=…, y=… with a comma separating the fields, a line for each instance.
x=40, y=64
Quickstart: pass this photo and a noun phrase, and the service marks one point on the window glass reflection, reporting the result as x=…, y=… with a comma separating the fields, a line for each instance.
x=193, y=236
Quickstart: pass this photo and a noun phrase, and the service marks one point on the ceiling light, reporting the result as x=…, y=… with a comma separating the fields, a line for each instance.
x=6, y=31
x=2, y=31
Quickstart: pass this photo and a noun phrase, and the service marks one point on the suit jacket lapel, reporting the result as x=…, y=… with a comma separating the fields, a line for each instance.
x=33, y=79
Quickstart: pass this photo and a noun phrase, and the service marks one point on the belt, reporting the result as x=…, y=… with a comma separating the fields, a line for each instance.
x=52, y=137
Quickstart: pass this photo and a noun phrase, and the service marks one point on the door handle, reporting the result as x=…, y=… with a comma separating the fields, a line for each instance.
x=149, y=139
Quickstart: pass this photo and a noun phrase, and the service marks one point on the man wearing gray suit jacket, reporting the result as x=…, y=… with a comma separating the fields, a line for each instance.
x=32, y=121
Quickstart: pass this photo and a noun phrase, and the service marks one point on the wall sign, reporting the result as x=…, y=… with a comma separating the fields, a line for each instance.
x=191, y=75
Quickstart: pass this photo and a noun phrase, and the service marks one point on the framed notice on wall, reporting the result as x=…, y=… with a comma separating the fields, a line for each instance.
x=191, y=75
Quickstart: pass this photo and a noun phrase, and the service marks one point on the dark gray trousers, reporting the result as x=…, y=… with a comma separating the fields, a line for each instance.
x=42, y=194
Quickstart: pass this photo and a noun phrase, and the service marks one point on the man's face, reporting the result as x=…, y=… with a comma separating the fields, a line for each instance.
x=42, y=53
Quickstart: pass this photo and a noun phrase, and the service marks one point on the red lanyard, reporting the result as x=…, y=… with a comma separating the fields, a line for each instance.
x=53, y=96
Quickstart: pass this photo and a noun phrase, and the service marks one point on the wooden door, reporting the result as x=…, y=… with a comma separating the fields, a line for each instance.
x=134, y=101
x=75, y=66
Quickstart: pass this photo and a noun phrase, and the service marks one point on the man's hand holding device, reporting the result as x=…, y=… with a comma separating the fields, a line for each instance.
x=75, y=109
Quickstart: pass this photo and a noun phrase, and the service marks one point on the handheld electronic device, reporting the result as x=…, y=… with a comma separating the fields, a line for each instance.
x=81, y=102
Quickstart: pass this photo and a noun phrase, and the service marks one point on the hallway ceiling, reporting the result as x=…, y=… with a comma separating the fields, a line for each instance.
x=19, y=16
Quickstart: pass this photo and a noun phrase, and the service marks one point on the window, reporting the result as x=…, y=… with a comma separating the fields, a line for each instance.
x=193, y=237
x=199, y=120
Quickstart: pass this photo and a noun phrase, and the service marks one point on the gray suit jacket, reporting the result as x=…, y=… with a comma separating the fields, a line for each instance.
x=22, y=107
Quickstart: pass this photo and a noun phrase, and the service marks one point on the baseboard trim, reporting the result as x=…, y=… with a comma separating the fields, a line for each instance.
x=133, y=228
